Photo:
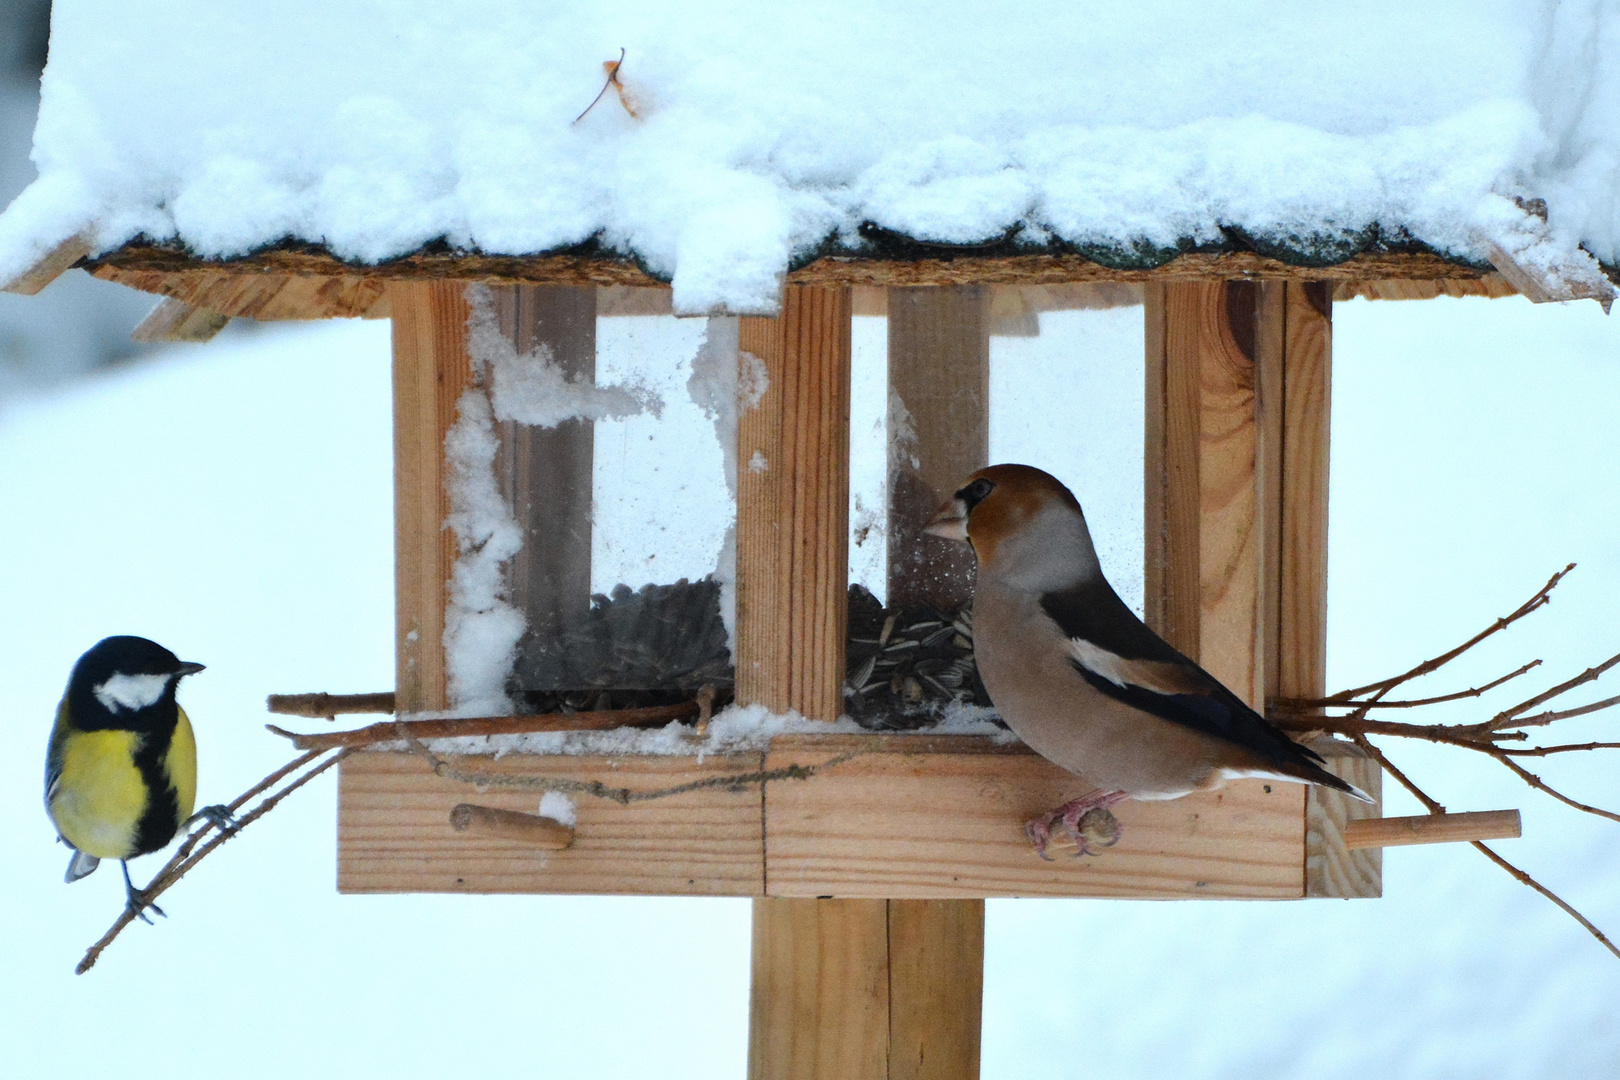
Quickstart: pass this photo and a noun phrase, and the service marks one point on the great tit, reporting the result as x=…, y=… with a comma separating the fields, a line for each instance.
x=121, y=771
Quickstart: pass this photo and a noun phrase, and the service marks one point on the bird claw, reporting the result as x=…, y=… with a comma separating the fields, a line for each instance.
x=218, y=815
x=137, y=906
x=1087, y=819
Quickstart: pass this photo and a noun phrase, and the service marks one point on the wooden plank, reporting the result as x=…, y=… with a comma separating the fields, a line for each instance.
x=262, y=296
x=818, y=1008
x=431, y=369
x=936, y=988
x=951, y=268
x=939, y=432
x=793, y=507
x=1332, y=870
x=52, y=265
x=1433, y=829
x=546, y=473
x=176, y=320
x=395, y=835
x=941, y=818
x=1492, y=285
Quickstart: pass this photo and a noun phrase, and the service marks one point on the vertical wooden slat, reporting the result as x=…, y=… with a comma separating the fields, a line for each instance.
x=1175, y=315
x=1301, y=667
x=818, y=1004
x=431, y=369
x=818, y=1007
x=793, y=507
x=546, y=473
x=939, y=391
x=936, y=988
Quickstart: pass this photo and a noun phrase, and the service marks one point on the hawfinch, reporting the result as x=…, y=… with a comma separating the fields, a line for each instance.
x=1081, y=679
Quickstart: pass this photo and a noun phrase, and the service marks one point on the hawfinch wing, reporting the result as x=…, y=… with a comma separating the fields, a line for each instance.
x=1119, y=656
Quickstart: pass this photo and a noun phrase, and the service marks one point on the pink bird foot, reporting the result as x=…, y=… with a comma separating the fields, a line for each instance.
x=1070, y=815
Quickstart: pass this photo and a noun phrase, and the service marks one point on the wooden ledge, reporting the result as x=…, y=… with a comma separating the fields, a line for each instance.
x=902, y=817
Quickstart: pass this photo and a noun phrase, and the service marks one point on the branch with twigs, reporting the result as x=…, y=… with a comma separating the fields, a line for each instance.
x=189, y=854
x=1347, y=713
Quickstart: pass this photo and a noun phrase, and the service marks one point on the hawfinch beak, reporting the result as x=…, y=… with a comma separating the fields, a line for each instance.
x=949, y=521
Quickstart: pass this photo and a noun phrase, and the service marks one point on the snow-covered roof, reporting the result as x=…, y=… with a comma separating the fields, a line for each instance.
x=767, y=134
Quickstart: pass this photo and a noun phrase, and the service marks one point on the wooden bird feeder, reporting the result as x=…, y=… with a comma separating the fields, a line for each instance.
x=869, y=879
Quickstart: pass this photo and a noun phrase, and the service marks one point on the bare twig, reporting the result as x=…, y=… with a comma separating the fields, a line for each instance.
x=236, y=804
x=389, y=730
x=1543, y=751
x=1506, y=717
x=1518, y=875
x=1306, y=704
x=612, y=67
x=1542, y=596
x=1536, y=782
x=1542, y=719
x=176, y=867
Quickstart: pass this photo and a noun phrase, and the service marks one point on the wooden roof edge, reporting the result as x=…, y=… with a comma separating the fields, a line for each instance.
x=948, y=268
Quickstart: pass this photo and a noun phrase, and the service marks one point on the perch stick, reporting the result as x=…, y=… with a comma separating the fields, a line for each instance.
x=534, y=830
x=1431, y=829
x=327, y=706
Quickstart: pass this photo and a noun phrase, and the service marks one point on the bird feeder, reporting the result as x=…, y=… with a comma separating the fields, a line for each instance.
x=868, y=854
x=869, y=877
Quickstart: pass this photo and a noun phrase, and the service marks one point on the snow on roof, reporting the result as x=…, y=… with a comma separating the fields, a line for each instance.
x=768, y=133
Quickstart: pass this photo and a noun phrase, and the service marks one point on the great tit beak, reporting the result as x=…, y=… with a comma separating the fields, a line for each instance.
x=949, y=521
x=188, y=668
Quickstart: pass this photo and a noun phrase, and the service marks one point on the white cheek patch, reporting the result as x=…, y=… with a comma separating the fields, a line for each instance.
x=131, y=692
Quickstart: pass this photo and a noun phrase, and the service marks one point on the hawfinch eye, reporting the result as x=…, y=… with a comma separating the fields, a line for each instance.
x=975, y=492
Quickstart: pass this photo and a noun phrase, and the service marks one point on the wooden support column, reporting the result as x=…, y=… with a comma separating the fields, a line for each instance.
x=545, y=473
x=431, y=369
x=1238, y=377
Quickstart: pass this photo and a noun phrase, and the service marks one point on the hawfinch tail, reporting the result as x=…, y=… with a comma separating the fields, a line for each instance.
x=1081, y=679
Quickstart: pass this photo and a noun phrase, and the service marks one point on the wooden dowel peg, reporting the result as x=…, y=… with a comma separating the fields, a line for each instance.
x=317, y=706
x=530, y=829
x=1431, y=829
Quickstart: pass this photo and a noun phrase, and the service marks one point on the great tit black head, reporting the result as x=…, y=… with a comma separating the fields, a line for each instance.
x=120, y=679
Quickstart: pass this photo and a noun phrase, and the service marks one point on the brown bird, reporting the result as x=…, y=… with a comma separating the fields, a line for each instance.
x=1082, y=680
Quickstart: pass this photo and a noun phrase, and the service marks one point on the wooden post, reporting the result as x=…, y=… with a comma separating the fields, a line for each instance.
x=546, y=473
x=431, y=369
x=793, y=507
x=1236, y=465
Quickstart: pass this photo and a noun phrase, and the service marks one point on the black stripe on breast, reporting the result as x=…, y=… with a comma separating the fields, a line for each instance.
x=161, y=819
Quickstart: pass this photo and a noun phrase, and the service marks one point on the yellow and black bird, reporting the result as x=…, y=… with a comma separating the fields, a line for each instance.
x=121, y=772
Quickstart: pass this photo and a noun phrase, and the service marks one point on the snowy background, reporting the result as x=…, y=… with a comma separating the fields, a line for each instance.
x=232, y=501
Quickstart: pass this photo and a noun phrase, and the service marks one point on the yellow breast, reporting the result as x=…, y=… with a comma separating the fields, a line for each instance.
x=182, y=765
x=99, y=797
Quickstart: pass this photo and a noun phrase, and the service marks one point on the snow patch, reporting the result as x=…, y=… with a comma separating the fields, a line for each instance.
x=559, y=808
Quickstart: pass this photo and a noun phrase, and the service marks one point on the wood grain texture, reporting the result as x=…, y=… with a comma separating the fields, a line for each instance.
x=1492, y=285
x=951, y=268
x=818, y=1007
x=264, y=296
x=939, y=432
x=936, y=988
x=940, y=818
x=52, y=265
x=431, y=370
x=1433, y=829
x=1331, y=869
x=793, y=507
x=394, y=831
x=546, y=473
x=1306, y=374
x=176, y=320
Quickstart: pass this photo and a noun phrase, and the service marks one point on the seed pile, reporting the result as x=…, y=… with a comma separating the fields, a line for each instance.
x=906, y=666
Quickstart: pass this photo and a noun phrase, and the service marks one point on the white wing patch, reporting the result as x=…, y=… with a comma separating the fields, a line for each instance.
x=131, y=692
x=1159, y=676
x=1100, y=661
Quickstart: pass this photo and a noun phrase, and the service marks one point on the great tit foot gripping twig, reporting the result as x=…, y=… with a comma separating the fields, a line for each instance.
x=136, y=902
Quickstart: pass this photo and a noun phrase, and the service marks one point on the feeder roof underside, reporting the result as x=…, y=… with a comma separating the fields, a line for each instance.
x=765, y=137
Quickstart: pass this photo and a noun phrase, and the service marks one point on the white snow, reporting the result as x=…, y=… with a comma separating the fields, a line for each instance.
x=734, y=730
x=766, y=130
x=559, y=807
